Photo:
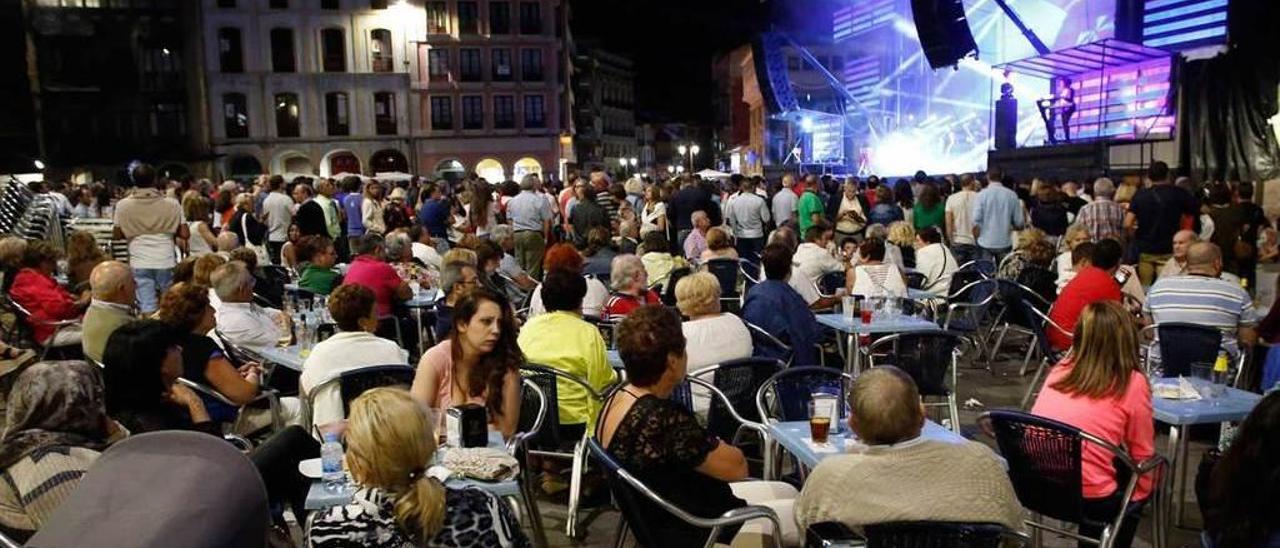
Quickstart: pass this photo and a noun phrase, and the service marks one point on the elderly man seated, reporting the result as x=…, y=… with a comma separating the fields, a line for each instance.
x=227, y=241
x=630, y=283
x=1202, y=297
x=900, y=476
x=238, y=319
x=774, y=306
x=114, y=292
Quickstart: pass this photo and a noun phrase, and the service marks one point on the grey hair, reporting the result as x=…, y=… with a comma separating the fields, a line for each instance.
x=623, y=270
x=501, y=232
x=1104, y=187
x=451, y=275
x=229, y=278
x=877, y=231
x=529, y=181
x=394, y=246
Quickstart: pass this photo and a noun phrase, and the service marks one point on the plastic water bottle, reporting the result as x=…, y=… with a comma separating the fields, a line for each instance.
x=331, y=464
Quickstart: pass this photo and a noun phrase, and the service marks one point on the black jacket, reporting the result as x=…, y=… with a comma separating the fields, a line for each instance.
x=310, y=219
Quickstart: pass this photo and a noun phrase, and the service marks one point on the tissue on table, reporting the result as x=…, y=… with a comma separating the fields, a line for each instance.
x=1175, y=389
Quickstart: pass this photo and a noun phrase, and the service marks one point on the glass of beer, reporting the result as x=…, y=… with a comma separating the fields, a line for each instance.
x=819, y=421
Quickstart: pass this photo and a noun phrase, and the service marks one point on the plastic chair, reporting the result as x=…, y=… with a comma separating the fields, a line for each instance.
x=931, y=534
x=1040, y=324
x=1044, y=458
x=636, y=500
x=930, y=359
x=353, y=382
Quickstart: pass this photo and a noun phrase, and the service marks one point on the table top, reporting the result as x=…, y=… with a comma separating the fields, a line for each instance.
x=615, y=360
x=319, y=498
x=424, y=299
x=287, y=356
x=1233, y=405
x=920, y=294
x=794, y=437
x=901, y=324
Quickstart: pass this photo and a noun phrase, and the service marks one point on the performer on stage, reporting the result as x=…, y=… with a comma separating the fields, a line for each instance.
x=1061, y=104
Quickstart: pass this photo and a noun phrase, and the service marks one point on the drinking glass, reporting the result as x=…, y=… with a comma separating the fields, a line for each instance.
x=848, y=307
x=822, y=411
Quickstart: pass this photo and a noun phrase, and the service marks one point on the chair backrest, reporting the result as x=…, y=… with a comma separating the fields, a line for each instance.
x=786, y=395
x=765, y=345
x=636, y=501
x=1044, y=463
x=931, y=534
x=535, y=411
x=1011, y=293
x=831, y=282
x=726, y=272
x=548, y=436
x=669, y=294
x=974, y=299
x=1039, y=324
x=739, y=380
x=928, y=357
x=357, y=381
x=1182, y=344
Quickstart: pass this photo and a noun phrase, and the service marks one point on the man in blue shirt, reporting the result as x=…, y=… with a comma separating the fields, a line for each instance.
x=997, y=212
x=434, y=216
x=352, y=201
x=775, y=307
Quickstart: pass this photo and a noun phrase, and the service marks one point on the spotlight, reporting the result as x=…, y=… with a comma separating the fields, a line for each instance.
x=806, y=124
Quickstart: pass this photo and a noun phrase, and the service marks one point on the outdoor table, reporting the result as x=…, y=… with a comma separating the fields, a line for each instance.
x=318, y=498
x=1234, y=405
x=615, y=360
x=287, y=356
x=794, y=437
x=879, y=325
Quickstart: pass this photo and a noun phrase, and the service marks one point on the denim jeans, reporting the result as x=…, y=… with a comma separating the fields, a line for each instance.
x=152, y=283
x=964, y=253
x=994, y=255
x=750, y=248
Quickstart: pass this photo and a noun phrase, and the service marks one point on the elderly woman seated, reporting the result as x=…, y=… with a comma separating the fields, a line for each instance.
x=658, y=260
x=35, y=290
x=719, y=246
x=714, y=337
x=873, y=277
x=661, y=443
x=630, y=284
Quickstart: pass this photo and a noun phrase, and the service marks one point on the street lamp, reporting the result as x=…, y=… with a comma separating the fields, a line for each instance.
x=634, y=163
x=671, y=169
x=679, y=169
x=688, y=152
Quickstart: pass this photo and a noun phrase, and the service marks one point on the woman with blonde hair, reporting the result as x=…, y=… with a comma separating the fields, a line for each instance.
x=1099, y=387
x=714, y=337
x=390, y=444
x=903, y=237
x=196, y=209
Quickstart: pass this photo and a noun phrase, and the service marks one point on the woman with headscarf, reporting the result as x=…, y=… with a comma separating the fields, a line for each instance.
x=56, y=425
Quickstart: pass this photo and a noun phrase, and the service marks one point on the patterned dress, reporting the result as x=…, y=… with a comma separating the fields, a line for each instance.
x=473, y=518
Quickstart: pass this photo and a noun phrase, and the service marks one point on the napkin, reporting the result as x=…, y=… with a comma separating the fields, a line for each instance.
x=482, y=463
x=1180, y=389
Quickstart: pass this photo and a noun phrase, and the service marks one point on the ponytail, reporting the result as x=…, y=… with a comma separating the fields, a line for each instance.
x=420, y=508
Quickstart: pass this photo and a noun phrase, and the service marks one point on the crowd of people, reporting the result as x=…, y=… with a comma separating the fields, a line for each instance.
x=674, y=274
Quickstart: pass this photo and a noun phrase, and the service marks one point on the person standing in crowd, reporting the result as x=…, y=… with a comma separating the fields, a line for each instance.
x=747, y=216
x=959, y=220
x=1048, y=213
x=114, y=293
x=929, y=210
x=886, y=211
x=353, y=206
x=809, y=209
x=1230, y=221
x=1255, y=222
x=196, y=209
x=1154, y=215
x=152, y=224
x=531, y=218
x=333, y=216
x=690, y=198
x=997, y=212
x=653, y=213
x=372, y=208
x=1103, y=216
x=784, y=202
x=310, y=216
x=277, y=211
x=434, y=216
x=586, y=215
x=850, y=212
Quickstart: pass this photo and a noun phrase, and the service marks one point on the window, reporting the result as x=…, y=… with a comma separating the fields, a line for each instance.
x=328, y=4
x=335, y=114
x=469, y=69
x=501, y=62
x=530, y=18
x=287, y=115
x=168, y=119
x=226, y=3
x=535, y=113
x=230, y=54
x=437, y=18
x=531, y=65
x=468, y=18
x=441, y=113
x=499, y=17
x=472, y=112
x=380, y=50
x=504, y=112
x=333, y=54
x=235, y=115
x=384, y=113
x=378, y=4
x=438, y=65
x=282, y=51
x=278, y=4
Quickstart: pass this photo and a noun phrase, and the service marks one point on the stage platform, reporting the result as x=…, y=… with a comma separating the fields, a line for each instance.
x=1070, y=161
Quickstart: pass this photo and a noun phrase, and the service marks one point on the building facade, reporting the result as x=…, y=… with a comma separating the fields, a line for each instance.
x=489, y=88
x=604, y=109
x=310, y=86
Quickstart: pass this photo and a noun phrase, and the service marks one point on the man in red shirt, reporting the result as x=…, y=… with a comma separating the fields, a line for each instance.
x=1093, y=283
x=371, y=270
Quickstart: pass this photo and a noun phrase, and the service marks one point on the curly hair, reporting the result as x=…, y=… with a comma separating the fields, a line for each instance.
x=646, y=339
x=183, y=305
x=204, y=268
x=349, y=304
x=491, y=370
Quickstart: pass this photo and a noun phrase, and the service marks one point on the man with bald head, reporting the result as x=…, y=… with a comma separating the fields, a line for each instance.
x=1177, y=265
x=114, y=292
x=897, y=474
x=1202, y=297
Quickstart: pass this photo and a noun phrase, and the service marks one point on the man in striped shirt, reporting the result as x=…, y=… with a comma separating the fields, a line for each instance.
x=1200, y=297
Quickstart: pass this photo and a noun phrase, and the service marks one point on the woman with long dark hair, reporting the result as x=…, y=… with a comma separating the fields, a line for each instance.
x=480, y=209
x=1245, y=485
x=142, y=362
x=479, y=362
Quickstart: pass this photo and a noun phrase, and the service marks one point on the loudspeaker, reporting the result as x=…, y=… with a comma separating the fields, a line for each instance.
x=771, y=73
x=943, y=31
x=1006, y=130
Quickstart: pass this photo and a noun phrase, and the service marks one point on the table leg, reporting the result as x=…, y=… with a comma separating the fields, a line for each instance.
x=851, y=364
x=422, y=339
x=1177, y=469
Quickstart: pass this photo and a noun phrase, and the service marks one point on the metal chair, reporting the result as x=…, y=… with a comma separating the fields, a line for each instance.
x=669, y=292
x=930, y=359
x=636, y=500
x=831, y=282
x=270, y=396
x=1040, y=324
x=1180, y=345
x=25, y=325
x=765, y=345
x=6, y=542
x=534, y=411
x=729, y=421
x=353, y=382
x=930, y=534
x=967, y=309
x=785, y=397
x=546, y=443
x=738, y=381
x=1044, y=458
x=1012, y=317
x=727, y=273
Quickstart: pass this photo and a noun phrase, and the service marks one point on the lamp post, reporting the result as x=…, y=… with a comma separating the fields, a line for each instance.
x=634, y=162
x=688, y=152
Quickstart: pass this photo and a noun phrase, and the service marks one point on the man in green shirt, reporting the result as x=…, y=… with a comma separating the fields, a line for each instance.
x=810, y=209
x=318, y=255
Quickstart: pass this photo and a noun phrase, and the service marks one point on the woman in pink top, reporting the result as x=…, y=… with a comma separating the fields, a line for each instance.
x=1100, y=388
x=479, y=363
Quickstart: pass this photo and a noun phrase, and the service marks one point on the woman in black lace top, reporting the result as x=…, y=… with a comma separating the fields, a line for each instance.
x=662, y=444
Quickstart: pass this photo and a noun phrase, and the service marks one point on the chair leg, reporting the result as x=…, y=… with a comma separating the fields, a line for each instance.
x=575, y=488
x=955, y=412
x=620, y=535
x=991, y=355
x=1026, y=360
x=531, y=506
x=1026, y=399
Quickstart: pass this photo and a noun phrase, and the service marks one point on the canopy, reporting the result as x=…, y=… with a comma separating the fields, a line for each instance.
x=392, y=176
x=712, y=174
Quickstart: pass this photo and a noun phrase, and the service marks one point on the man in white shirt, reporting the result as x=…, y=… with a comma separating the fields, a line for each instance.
x=150, y=222
x=798, y=280
x=239, y=320
x=354, y=347
x=277, y=211
x=747, y=214
x=959, y=215
x=812, y=257
x=784, y=202
x=423, y=247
